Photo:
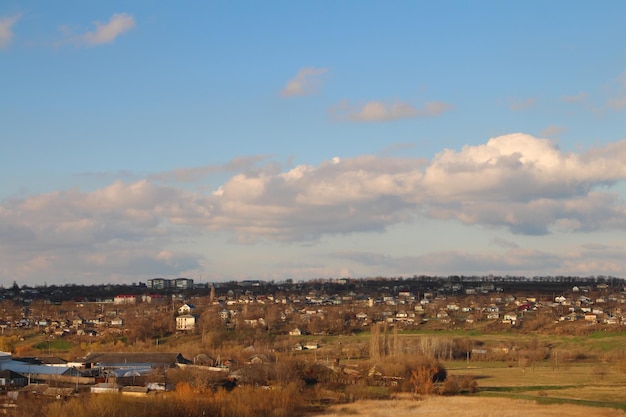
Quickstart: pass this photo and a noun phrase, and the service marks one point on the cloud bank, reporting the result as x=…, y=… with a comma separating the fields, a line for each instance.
x=516, y=183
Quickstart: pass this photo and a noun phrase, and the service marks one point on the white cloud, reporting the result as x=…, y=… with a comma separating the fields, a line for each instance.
x=6, y=29
x=306, y=82
x=378, y=111
x=118, y=24
x=117, y=230
x=516, y=182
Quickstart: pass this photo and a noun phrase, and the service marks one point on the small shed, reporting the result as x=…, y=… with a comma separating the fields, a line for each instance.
x=135, y=391
x=296, y=332
x=10, y=379
x=105, y=388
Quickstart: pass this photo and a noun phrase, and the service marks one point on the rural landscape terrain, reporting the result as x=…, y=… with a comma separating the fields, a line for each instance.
x=493, y=345
x=312, y=208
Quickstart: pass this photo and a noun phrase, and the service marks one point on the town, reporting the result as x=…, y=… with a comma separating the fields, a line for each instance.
x=146, y=338
x=61, y=311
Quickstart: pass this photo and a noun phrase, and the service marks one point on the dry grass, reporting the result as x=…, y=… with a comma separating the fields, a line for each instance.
x=465, y=407
x=580, y=382
x=540, y=375
x=616, y=394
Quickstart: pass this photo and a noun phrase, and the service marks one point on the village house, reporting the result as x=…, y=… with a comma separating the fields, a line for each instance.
x=117, y=322
x=125, y=299
x=185, y=322
x=296, y=332
x=35, y=370
x=361, y=316
x=12, y=380
x=493, y=315
x=132, y=363
x=402, y=315
x=255, y=322
x=591, y=317
x=510, y=318
x=186, y=309
x=443, y=316
x=154, y=299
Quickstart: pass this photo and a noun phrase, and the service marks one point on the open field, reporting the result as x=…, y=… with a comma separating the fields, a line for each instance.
x=464, y=407
x=573, y=385
x=575, y=371
x=517, y=373
x=493, y=377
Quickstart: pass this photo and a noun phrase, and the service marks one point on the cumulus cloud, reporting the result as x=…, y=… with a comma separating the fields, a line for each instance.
x=114, y=230
x=519, y=182
x=118, y=24
x=6, y=29
x=378, y=111
x=516, y=182
x=306, y=82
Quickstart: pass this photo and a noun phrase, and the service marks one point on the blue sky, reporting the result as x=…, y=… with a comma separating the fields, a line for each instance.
x=273, y=140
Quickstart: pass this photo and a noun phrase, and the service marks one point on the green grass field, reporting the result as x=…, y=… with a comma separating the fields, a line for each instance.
x=584, y=370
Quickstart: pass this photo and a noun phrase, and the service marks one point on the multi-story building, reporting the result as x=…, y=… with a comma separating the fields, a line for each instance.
x=159, y=283
x=183, y=283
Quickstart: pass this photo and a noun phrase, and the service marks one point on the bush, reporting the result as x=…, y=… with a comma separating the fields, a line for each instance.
x=457, y=384
x=366, y=392
x=403, y=366
x=450, y=386
x=185, y=401
x=423, y=379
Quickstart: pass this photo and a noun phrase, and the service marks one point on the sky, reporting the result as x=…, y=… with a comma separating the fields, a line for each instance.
x=221, y=140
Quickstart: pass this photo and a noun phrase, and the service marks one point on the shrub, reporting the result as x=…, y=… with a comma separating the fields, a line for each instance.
x=185, y=401
x=450, y=386
x=456, y=384
x=423, y=379
x=366, y=392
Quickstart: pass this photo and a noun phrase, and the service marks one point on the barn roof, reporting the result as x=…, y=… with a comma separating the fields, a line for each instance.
x=135, y=358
